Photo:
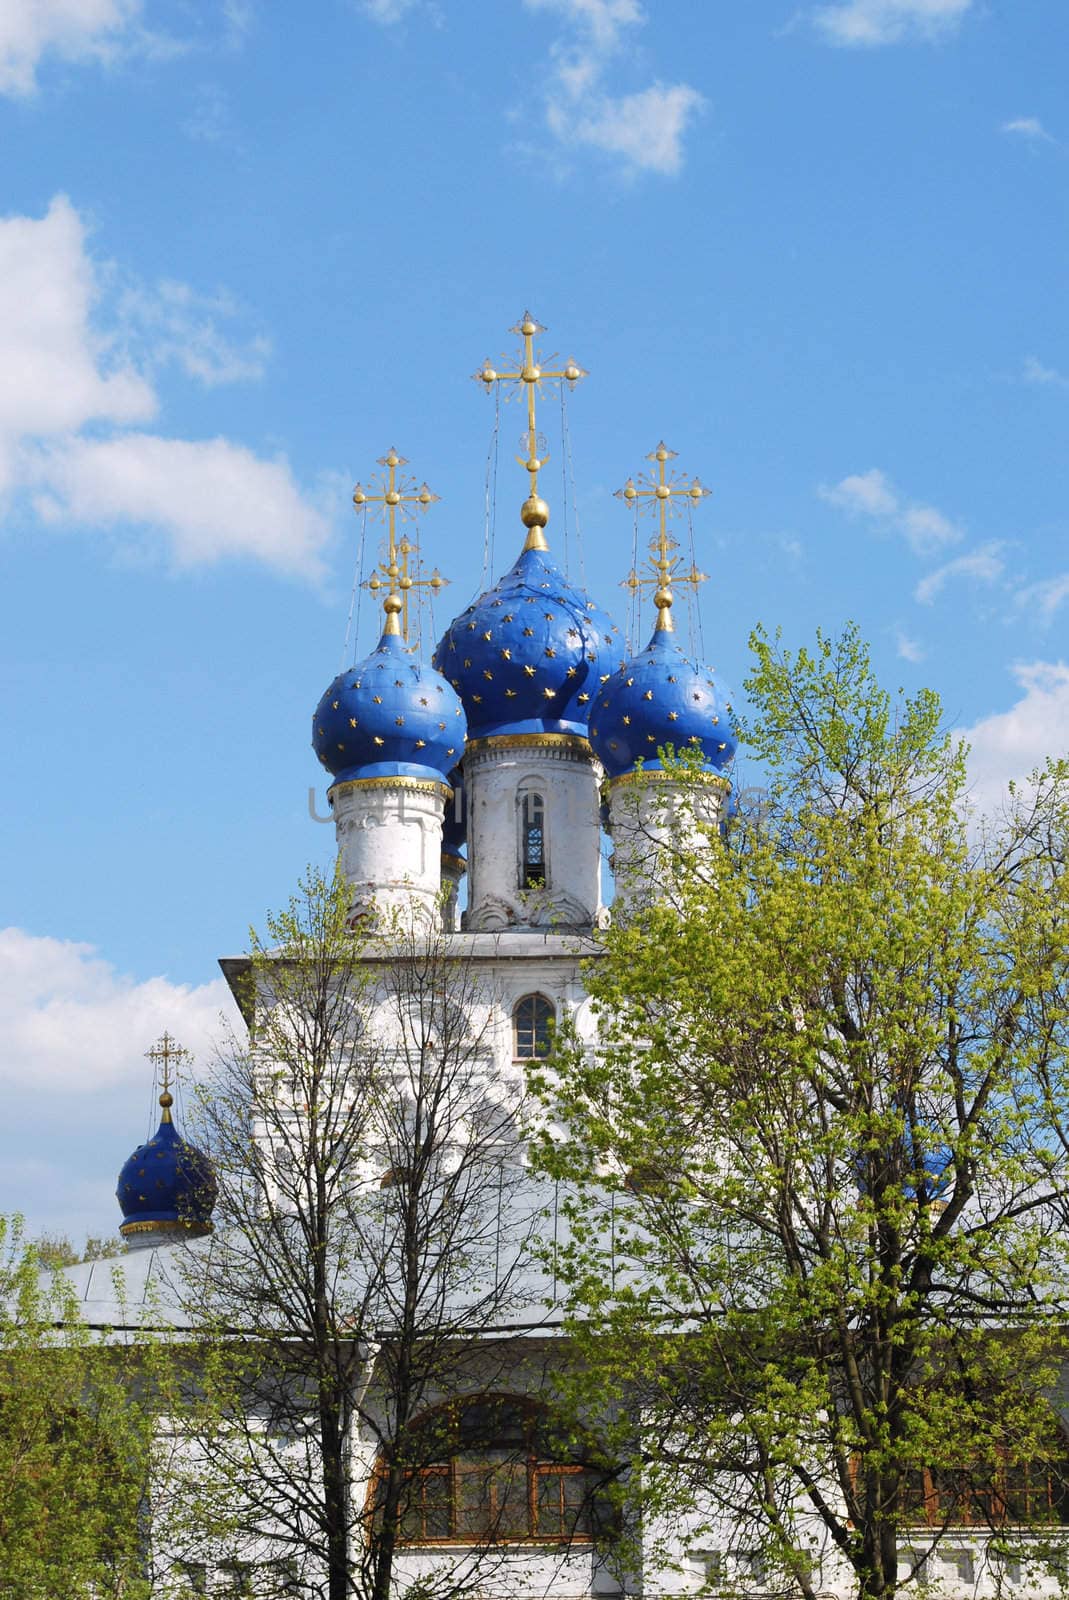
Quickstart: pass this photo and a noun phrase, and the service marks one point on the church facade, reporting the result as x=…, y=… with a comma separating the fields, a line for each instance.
x=471, y=794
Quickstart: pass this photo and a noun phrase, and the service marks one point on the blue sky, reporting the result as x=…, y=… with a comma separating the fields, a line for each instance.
x=821, y=249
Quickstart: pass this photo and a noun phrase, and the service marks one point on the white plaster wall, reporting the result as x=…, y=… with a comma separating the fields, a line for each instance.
x=567, y=777
x=390, y=845
x=653, y=825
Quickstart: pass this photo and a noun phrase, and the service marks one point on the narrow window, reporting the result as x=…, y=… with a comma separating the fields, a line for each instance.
x=532, y=1028
x=532, y=841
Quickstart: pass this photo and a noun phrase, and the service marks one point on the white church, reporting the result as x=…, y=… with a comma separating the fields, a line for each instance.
x=471, y=795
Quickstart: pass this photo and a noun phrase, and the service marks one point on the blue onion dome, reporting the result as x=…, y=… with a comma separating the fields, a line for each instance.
x=455, y=822
x=389, y=716
x=532, y=653
x=661, y=698
x=166, y=1185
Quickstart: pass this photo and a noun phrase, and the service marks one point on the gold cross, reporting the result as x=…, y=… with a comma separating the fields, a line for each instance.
x=394, y=501
x=163, y=1052
x=663, y=491
x=532, y=372
x=406, y=582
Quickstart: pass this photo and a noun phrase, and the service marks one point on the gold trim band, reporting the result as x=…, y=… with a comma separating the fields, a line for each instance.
x=454, y=861
x=658, y=775
x=413, y=785
x=167, y=1226
x=530, y=741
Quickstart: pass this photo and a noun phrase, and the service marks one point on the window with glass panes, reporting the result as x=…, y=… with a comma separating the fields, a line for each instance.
x=1021, y=1493
x=498, y=1485
x=532, y=1027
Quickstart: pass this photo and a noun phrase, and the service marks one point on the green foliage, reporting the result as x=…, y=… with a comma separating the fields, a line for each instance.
x=55, y=1250
x=828, y=1123
x=74, y=1443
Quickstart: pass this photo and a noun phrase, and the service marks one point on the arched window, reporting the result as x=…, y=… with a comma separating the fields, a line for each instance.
x=494, y=1469
x=534, y=873
x=532, y=1028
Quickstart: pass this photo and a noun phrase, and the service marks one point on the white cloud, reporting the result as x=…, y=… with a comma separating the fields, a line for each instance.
x=174, y=324
x=867, y=492
x=908, y=648
x=74, y=30
x=983, y=565
x=1011, y=744
x=861, y=23
x=56, y=374
x=872, y=494
x=69, y=392
x=1049, y=377
x=212, y=499
x=73, y=1037
x=1028, y=128
x=387, y=11
x=602, y=20
x=1045, y=598
x=645, y=129
x=70, y=1022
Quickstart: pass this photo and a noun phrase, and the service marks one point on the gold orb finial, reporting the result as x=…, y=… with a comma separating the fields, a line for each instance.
x=534, y=513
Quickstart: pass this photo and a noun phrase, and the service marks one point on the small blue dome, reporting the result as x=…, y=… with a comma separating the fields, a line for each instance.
x=661, y=698
x=389, y=716
x=166, y=1183
x=531, y=654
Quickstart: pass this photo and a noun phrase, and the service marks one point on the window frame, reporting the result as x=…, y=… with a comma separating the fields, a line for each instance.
x=537, y=1025
x=531, y=803
x=987, y=1504
x=494, y=1461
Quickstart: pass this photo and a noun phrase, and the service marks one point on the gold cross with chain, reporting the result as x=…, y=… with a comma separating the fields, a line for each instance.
x=396, y=500
x=663, y=491
x=163, y=1052
x=532, y=374
x=406, y=582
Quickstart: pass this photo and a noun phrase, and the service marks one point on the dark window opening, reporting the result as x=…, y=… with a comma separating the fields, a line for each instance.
x=533, y=842
x=532, y=1028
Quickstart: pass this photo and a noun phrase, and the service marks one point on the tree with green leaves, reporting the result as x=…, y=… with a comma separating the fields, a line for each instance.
x=57, y=1250
x=819, y=1159
x=75, y=1442
x=366, y=1162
